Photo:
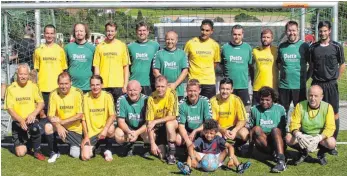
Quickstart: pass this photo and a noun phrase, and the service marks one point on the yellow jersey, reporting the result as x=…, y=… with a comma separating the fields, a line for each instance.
x=228, y=113
x=66, y=106
x=158, y=107
x=265, y=67
x=110, y=58
x=201, y=57
x=97, y=111
x=22, y=100
x=50, y=61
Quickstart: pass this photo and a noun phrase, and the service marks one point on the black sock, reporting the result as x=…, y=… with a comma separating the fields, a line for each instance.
x=298, y=148
x=322, y=150
x=50, y=141
x=281, y=157
x=36, y=143
x=108, y=145
x=172, y=148
x=337, y=123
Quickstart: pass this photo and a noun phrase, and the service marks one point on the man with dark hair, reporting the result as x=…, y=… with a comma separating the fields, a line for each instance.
x=23, y=102
x=65, y=113
x=141, y=53
x=111, y=61
x=327, y=64
x=172, y=62
x=80, y=57
x=49, y=61
x=230, y=114
x=236, y=62
x=267, y=127
x=203, y=55
x=194, y=110
x=293, y=56
x=312, y=126
x=264, y=65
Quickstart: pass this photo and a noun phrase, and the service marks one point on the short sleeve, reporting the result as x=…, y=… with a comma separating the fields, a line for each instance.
x=37, y=94
x=63, y=59
x=214, y=106
x=182, y=115
x=110, y=105
x=173, y=105
x=126, y=58
x=97, y=57
x=207, y=110
x=240, y=110
x=121, y=110
x=36, y=59
x=217, y=53
x=184, y=61
x=156, y=61
x=150, y=109
x=221, y=143
x=52, y=105
x=79, y=101
x=250, y=61
x=9, y=99
x=341, y=56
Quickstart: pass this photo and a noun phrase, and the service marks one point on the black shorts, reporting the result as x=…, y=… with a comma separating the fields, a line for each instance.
x=95, y=141
x=208, y=90
x=160, y=132
x=73, y=138
x=45, y=96
x=19, y=136
x=270, y=147
x=286, y=96
x=146, y=90
x=244, y=95
x=116, y=92
x=255, y=98
x=330, y=92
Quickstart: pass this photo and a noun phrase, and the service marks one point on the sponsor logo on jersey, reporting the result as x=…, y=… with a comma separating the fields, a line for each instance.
x=79, y=57
x=49, y=58
x=290, y=57
x=193, y=118
x=236, y=59
x=142, y=56
x=170, y=65
x=110, y=54
x=23, y=98
x=66, y=107
x=266, y=122
x=133, y=116
x=204, y=52
x=97, y=110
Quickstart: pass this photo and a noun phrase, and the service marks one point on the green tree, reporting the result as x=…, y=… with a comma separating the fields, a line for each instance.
x=242, y=17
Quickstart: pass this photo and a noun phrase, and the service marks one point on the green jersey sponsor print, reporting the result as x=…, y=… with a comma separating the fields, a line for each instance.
x=293, y=58
x=80, y=59
x=141, y=56
x=235, y=60
x=170, y=64
x=133, y=112
x=274, y=117
x=193, y=116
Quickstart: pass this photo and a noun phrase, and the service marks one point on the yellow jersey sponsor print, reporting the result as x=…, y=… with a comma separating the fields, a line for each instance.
x=22, y=100
x=160, y=107
x=66, y=106
x=110, y=58
x=50, y=61
x=266, y=72
x=97, y=111
x=201, y=57
x=227, y=113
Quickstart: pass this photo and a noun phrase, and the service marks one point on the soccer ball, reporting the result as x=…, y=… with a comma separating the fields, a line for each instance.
x=209, y=163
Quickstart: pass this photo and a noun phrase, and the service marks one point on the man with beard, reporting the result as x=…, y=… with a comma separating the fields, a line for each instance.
x=203, y=55
x=172, y=63
x=142, y=52
x=236, y=62
x=264, y=65
x=111, y=62
x=327, y=64
x=80, y=57
x=293, y=56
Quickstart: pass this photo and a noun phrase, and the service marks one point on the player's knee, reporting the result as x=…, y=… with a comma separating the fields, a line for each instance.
x=75, y=151
x=34, y=130
x=48, y=128
x=171, y=125
x=276, y=131
x=21, y=151
x=243, y=134
x=289, y=139
x=257, y=131
x=330, y=143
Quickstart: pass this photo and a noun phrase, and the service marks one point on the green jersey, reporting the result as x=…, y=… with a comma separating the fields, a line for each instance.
x=170, y=64
x=141, y=56
x=313, y=126
x=80, y=59
x=193, y=116
x=134, y=113
x=274, y=117
x=292, y=58
x=235, y=61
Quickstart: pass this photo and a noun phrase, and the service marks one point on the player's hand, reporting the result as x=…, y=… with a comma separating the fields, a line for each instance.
x=102, y=135
x=133, y=136
x=23, y=125
x=62, y=132
x=151, y=125
x=124, y=89
x=230, y=163
x=232, y=135
x=227, y=134
x=172, y=86
x=192, y=136
x=155, y=150
x=314, y=143
x=30, y=119
x=85, y=141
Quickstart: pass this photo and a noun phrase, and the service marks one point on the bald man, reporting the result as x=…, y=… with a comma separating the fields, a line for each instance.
x=312, y=125
x=172, y=62
x=131, y=111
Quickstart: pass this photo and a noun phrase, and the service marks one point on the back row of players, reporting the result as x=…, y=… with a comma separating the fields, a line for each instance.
x=170, y=66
